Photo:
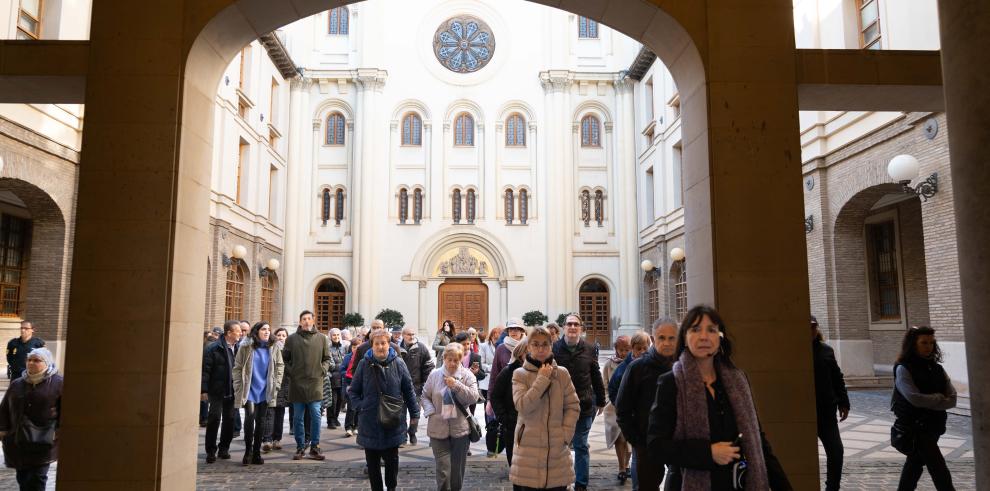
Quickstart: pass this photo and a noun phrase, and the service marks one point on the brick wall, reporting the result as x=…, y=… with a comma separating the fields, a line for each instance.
x=224, y=238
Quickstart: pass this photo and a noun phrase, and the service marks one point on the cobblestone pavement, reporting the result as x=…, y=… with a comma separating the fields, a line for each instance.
x=870, y=464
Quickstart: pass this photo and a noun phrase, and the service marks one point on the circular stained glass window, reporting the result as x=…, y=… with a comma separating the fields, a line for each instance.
x=464, y=44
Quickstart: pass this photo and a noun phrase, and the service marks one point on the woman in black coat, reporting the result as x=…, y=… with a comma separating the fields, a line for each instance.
x=500, y=395
x=36, y=399
x=830, y=397
x=704, y=422
x=922, y=394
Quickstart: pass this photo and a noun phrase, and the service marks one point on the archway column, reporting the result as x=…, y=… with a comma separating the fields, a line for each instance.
x=964, y=36
x=296, y=222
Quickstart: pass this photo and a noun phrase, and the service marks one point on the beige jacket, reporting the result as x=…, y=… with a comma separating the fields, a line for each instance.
x=243, y=366
x=548, y=411
x=466, y=392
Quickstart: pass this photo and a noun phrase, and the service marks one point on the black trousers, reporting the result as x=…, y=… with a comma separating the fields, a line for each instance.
x=374, y=459
x=32, y=478
x=254, y=426
x=926, y=454
x=333, y=411
x=508, y=440
x=274, y=422
x=221, y=418
x=649, y=469
x=828, y=433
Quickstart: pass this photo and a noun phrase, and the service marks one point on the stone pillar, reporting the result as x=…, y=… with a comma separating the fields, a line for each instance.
x=370, y=82
x=625, y=168
x=422, y=306
x=558, y=239
x=964, y=35
x=296, y=193
x=503, y=293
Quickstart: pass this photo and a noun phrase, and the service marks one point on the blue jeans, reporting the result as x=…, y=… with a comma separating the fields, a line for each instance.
x=580, y=444
x=298, y=411
x=632, y=469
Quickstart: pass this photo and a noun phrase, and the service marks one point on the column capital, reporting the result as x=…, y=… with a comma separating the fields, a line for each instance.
x=371, y=78
x=556, y=80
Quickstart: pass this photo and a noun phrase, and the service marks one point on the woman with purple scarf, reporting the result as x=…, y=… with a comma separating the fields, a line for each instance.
x=704, y=423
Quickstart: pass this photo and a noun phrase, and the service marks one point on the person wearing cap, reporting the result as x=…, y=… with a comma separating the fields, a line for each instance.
x=35, y=397
x=420, y=364
x=830, y=397
x=514, y=332
x=396, y=334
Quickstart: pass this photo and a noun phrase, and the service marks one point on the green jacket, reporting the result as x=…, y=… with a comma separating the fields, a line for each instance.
x=307, y=360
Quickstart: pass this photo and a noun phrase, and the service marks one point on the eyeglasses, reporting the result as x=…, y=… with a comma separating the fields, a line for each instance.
x=572, y=324
x=540, y=345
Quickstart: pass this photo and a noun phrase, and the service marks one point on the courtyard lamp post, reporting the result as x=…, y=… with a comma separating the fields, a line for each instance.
x=677, y=254
x=269, y=267
x=237, y=253
x=904, y=168
x=648, y=267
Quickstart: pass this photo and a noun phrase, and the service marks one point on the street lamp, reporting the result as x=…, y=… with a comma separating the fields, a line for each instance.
x=904, y=168
x=269, y=267
x=237, y=253
x=677, y=254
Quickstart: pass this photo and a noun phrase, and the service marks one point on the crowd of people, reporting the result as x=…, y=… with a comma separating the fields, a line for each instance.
x=676, y=409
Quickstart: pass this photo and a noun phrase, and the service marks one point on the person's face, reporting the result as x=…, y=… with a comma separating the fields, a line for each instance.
x=467, y=345
x=572, y=329
x=451, y=362
x=473, y=335
x=665, y=338
x=539, y=348
x=380, y=346
x=377, y=324
x=233, y=335
x=703, y=338
x=36, y=365
x=265, y=333
x=26, y=331
x=335, y=337
x=446, y=327
x=925, y=345
x=814, y=332
x=245, y=330
x=516, y=333
x=555, y=332
x=306, y=322
x=621, y=350
x=281, y=336
x=639, y=349
x=409, y=337
x=396, y=336
x=211, y=336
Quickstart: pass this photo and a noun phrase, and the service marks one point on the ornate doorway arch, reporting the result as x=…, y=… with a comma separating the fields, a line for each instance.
x=594, y=305
x=465, y=302
x=329, y=300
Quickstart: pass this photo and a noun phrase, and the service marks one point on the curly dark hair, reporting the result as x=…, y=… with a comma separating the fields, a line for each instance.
x=909, y=346
x=256, y=334
x=693, y=318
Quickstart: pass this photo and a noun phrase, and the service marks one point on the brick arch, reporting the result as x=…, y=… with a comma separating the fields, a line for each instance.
x=47, y=282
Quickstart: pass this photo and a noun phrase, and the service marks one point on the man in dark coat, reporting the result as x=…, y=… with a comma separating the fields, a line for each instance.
x=635, y=397
x=18, y=349
x=420, y=365
x=338, y=350
x=581, y=361
x=218, y=388
x=830, y=397
x=307, y=361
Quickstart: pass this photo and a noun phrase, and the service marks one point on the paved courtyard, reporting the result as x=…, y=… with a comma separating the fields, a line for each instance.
x=870, y=462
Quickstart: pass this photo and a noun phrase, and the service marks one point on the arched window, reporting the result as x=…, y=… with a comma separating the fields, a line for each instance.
x=403, y=205
x=234, y=298
x=329, y=302
x=335, y=129
x=586, y=207
x=471, y=205
x=15, y=249
x=412, y=129
x=587, y=28
x=455, y=206
x=326, y=206
x=509, y=206
x=269, y=284
x=515, y=131
x=594, y=305
x=652, y=297
x=523, y=206
x=417, y=206
x=339, y=214
x=464, y=130
x=599, y=207
x=591, y=131
x=339, y=18
x=678, y=276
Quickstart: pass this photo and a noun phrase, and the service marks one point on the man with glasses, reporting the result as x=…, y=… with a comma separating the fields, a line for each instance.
x=420, y=365
x=581, y=361
x=18, y=349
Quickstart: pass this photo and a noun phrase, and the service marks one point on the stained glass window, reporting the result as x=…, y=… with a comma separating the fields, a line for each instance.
x=586, y=207
x=464, y=44
x=412, y=129
x=599, y=207
x=515, y=131
x=326, y=206
x=335, y=129
x=339, y=215
x=455, y=205
x=403, y=205
x=464, y=130
x=523, y=206
x=590, y=132
x=418, y=206
x=339, y=18
x=471, y=205
x=587, y=28
x=509, y=206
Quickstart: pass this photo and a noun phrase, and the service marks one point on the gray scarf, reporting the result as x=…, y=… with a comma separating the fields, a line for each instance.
x=692, y=420
x=511, y=343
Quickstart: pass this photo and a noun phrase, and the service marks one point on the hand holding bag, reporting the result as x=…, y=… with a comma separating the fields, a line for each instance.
x=390, y=408
x=475, y=433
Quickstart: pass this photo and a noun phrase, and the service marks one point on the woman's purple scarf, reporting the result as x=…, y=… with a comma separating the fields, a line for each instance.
x=692, y=420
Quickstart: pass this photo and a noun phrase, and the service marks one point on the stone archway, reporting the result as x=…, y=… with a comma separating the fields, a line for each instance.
x=734, y=66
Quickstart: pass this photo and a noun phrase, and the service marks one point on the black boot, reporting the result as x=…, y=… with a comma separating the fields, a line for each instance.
x=247, y=458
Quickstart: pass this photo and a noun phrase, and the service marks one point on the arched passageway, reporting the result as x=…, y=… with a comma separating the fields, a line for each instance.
x=739, y=131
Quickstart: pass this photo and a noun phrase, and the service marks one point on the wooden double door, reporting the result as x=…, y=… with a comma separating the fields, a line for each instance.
x=594, y=302
x=465, y=302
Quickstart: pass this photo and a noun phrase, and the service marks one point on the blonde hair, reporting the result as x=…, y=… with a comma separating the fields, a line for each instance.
x=453, y=348
x=640, y=338
x=540, y=331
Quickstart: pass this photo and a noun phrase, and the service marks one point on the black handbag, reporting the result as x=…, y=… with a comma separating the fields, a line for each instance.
x=902, y=437
x=390, y=408
x=475, y=433
x=30, y=435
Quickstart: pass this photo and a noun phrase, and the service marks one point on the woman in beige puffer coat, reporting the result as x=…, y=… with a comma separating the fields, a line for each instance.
x=548, y=409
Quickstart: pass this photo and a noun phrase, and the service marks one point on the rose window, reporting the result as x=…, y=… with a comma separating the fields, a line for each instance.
x=464, y=44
